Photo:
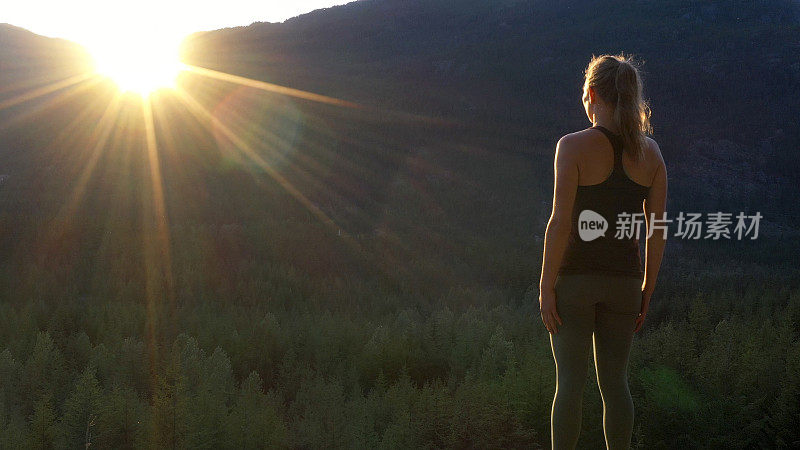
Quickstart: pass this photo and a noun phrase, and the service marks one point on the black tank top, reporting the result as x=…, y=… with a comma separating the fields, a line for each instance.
x=592, y=250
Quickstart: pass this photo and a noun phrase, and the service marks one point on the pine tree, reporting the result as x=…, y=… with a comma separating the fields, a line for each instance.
x=169, y=411
x=255, y=421
x=121, y=418
x=209, y=406
x=42, y=424
x=10, y=371
x=784, y=417
x=42, y=373
x=78, y=424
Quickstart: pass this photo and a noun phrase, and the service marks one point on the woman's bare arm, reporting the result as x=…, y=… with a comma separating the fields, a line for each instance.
x=558, y=228
x=654, y=204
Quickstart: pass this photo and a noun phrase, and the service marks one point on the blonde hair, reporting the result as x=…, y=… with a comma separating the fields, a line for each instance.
x=616, y=79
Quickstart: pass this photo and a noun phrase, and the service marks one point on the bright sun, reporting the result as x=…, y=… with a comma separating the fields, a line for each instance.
x=140, y=64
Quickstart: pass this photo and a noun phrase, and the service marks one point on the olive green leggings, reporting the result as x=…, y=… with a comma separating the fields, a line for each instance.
x=599, y=309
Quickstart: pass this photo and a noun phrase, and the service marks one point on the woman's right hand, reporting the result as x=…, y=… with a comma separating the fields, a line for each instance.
x=643, y=311
x=547, y=308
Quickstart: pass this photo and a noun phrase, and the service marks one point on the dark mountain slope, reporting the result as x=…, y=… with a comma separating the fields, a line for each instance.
x=716, y=72
x=524, y=59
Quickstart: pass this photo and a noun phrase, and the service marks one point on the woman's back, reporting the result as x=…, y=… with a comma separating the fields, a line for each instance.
x=607, y=193
x=596, y=159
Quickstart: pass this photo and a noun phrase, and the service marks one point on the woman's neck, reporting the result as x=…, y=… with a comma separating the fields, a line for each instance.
x=607, y=124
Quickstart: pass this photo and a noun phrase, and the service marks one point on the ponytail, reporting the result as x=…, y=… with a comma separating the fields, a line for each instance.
x=616, y=79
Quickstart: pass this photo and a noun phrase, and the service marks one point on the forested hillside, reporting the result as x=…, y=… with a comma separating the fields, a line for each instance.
x=232, y=267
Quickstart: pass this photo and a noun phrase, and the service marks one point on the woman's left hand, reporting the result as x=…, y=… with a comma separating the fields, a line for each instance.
x=548, y=310
x=646, y=293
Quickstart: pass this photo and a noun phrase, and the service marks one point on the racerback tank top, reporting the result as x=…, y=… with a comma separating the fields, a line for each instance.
x=591, y=250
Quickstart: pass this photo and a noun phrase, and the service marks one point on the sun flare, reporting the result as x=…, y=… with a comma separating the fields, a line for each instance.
x=140, y=64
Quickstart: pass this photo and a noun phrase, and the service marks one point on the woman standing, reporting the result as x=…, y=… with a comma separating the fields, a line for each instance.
x=592, y=291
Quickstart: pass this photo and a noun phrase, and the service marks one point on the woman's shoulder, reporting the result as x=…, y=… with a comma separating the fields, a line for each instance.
x=652, y=151
x=577, y=139
x=568, y=148
x=652, y=145
x=582, y=135
x=653, y=160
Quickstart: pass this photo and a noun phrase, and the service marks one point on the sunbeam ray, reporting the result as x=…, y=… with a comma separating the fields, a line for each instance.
x=270, y=87
x=158, y=264
x=66, y=91
x=319, y=98
x=100, y=137
x=47, y=89
x=243, y=146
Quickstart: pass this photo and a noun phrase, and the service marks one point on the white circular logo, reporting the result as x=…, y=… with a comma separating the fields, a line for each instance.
x=591, y=225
